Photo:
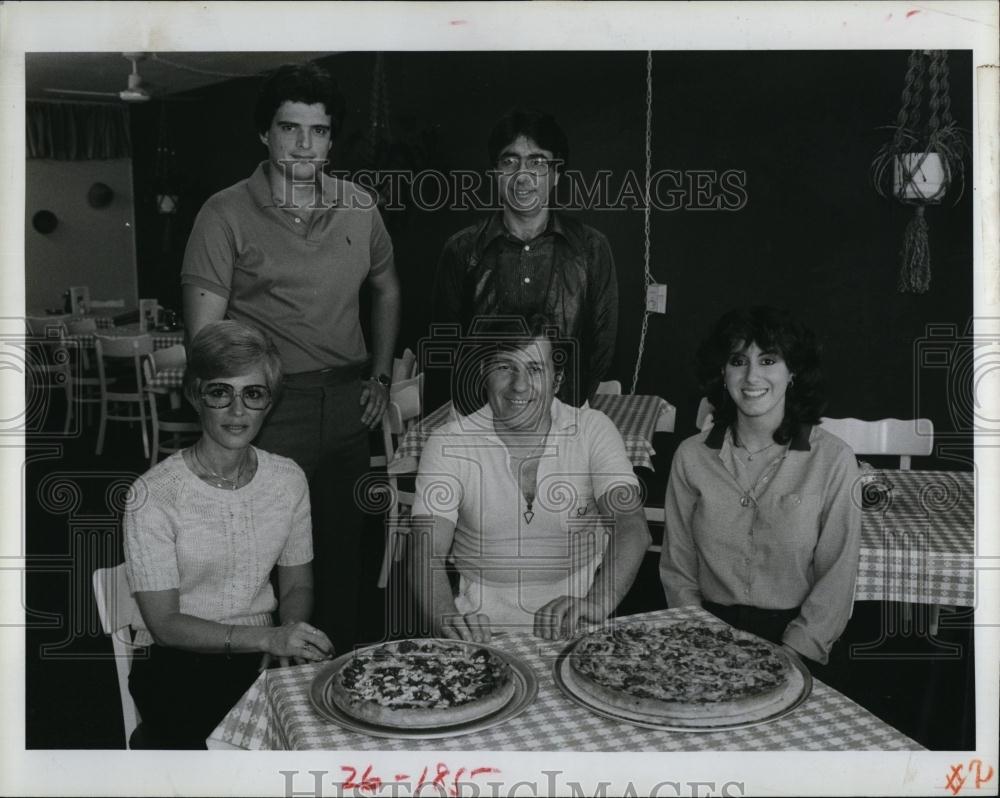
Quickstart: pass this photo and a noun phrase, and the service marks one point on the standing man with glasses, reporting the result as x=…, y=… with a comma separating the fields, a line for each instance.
x=528, y=258
x=288, y=250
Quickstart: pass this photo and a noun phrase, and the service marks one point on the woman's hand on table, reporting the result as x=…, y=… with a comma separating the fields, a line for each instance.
x=561, y=617
x=301, y=641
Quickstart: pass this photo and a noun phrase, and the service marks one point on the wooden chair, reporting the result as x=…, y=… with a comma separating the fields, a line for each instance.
x=119, y=614
x=888, y=436
x=85, y=382
x=403, y=369
x=124, y=353
x=181, y=423
x=404, y=406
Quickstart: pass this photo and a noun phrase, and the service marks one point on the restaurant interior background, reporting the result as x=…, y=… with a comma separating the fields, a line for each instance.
x=813, y=236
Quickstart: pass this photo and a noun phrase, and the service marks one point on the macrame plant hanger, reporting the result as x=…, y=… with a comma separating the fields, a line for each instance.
x=648, y=274
x=916, y=151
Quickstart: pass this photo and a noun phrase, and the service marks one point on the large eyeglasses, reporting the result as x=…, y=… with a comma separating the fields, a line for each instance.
x=219, y=395
x=535, y=164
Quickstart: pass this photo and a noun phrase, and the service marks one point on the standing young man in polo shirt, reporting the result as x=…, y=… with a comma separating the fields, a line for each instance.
x=529, y=259
x=288, y=250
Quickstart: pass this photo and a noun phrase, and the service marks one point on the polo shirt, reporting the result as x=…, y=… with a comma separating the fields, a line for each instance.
x=465, y=477
x=793, y=540
x=296, y=280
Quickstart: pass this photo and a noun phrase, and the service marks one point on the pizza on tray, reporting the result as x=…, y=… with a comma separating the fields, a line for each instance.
x=695, y=673
x=425, y=683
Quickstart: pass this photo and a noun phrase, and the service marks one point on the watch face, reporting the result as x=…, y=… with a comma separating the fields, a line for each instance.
x=382, y=379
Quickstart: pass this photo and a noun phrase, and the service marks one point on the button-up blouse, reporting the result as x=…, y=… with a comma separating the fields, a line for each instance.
x=790, y=540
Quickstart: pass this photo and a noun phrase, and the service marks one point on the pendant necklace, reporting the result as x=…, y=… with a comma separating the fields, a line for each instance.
x=748, y=498
x=528, y=513
x=222, y=482
x=741, y=445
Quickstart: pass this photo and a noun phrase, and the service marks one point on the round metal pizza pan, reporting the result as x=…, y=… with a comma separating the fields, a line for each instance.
x=525, y=690
x=667, y=723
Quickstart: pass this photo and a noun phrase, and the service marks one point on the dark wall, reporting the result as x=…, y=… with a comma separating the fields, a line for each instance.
x=802, y=127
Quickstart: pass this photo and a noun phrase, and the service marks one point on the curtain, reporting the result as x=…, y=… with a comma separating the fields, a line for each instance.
x=77, y=131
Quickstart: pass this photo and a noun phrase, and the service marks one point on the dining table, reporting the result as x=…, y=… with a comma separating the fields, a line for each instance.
x=161, y=338
x=918, y=538
x=637, y=417
x=277, y=713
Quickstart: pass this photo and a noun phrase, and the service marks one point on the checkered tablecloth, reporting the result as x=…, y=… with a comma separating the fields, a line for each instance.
x=167, y=378
x=634, y=415
x=276, y=714
x=161, y=340
x=918, y=542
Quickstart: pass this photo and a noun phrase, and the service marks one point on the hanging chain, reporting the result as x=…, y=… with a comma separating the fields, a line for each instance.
x=378, y=112
x=648, y=274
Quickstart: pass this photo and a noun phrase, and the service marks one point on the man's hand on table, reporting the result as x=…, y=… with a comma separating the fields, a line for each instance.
x=561, y=617
x=474, y=627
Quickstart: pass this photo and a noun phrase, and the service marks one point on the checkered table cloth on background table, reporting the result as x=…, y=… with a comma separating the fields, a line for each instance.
x=918, y=542
x=634, y=415
x=161, y=340
x=167, y=378
x=276, y=714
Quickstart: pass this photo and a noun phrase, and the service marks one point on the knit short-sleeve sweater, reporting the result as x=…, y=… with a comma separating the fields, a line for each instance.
x=216, y=547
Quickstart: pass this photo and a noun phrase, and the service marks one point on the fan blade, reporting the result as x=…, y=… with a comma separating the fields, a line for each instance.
x=81, y=91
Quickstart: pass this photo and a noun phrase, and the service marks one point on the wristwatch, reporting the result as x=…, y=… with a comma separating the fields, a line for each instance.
x=381, y=379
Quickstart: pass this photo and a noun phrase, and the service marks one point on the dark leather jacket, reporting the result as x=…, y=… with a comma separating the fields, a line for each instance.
x=567, y=271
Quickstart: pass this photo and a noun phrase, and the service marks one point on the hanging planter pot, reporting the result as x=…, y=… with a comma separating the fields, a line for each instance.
x=920, y=177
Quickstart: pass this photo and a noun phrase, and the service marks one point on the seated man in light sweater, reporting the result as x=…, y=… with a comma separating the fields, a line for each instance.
x=533, y=500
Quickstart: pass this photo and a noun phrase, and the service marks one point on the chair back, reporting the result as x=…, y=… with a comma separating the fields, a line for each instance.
x=704, y=418
x=405, y=367
x=118, y=613
x=404, y=400
x=171, y=357
x=130, y=347
x=404, y=406
x=611, y=387
x=888, y=436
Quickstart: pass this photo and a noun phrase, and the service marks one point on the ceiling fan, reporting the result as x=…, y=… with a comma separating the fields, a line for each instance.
x=135, y=92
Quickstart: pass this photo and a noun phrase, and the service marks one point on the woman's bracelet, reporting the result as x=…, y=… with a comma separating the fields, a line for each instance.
x=229, y=642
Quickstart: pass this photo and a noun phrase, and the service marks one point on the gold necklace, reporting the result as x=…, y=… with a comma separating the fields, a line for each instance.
x=741, y=445
x=221, y=480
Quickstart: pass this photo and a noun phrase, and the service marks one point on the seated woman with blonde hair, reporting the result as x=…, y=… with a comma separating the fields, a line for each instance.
x=203, y=531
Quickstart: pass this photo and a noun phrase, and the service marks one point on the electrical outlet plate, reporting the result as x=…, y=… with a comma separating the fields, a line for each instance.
x=656, y=298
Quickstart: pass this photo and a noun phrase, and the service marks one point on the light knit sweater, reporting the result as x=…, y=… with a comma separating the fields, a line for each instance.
x=216, y=547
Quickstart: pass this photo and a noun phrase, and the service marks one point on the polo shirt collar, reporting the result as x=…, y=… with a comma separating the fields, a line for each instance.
x=259, y=187
x=799, y=442
x=564, y=418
